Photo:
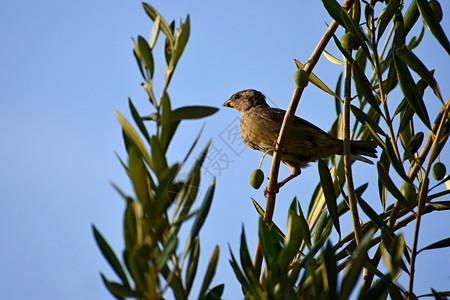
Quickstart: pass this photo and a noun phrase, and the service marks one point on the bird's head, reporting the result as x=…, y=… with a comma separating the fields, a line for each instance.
x=244, y=100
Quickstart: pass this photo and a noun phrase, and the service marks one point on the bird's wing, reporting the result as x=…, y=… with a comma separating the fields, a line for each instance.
x=301, y=134
x=300, y=128
x=277, y=115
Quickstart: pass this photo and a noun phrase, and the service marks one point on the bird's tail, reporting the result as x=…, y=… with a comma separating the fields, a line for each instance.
x=359, y=149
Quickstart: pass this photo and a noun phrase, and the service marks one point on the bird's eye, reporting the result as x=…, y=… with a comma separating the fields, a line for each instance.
x=237, y=96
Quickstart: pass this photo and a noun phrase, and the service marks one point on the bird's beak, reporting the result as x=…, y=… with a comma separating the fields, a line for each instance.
x=228, y=103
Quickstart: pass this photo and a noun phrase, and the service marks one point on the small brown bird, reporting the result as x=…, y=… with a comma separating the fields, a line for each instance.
x=260, y=125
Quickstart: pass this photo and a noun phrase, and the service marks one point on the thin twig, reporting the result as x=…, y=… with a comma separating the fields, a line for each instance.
x=422, y=198
x=347, y=156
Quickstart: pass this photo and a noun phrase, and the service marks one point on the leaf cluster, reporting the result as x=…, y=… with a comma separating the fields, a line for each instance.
x=161, y=203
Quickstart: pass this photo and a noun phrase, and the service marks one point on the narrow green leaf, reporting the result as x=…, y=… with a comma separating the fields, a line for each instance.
x=155, y=31
x=401, y=107
x=210, y=271
x=406, y=123
x=169, y=248
x=373, y=215
x=297, y=230
x=168, y=127
x=331, y=270
x=329, y=192
x=415, y=41
x=409, y=90
x=168, y=52
x=158, y=157
x=193, y=112
x=138, y=57
x=356, y=12
x=391, y=81
x=371, y=268
x=432, y=24
x=361, y=189
x=363, y=119
x=398, y=166
x=337, y=100
x=336, y=129
x=258, y=207
x=181, y=39
x=246, y=286
x=146, y=54
x=268, y=242
x=316, y=206
x=440, y=244
x=334, y=10
x=108, y=253
x=153, y=14
x=132, y=225
x=138, y=120
x=332, y=59
x=202, y=213
x=191, y=268
x=361, y=58
x=363, y=86
x=375, y=136
x=399, y=32
x=411, y=16
x=165, y=193
x=215, y=293
x=439, y=295
x=134, y=138
x=175, y=283
x=416, y=64
x=247, y=264
x=395, y=292
x=389, y=184
x=304, y=230
x=397, y=252
x=192, y=146
x=260, y=211
x=139, y=177
x=189, y=190
x=118, y=290
x=379, y=289
x=354, y=268
x=414, y=144
x=386, y=16
x=319, y=229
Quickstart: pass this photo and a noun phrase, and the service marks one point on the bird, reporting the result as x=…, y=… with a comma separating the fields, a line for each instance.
x=260, y=125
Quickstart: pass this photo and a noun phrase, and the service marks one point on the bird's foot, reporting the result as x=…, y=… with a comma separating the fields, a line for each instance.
x=276, y=146
x=294, y=174
x=266, y=190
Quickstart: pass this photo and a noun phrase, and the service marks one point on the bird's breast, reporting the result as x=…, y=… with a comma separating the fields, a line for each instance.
x=258, y=133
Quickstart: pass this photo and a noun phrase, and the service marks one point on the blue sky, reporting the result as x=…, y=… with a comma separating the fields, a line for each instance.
x=66, y=65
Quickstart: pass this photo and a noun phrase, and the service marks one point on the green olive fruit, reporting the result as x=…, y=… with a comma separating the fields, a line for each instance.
x=348, y=42
x=256, y=178
x=409, y=192
x=439, y=171
x=301, y=78
x=437, y=9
